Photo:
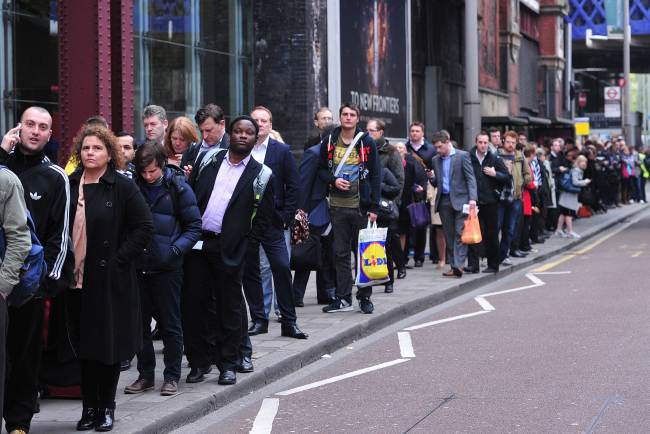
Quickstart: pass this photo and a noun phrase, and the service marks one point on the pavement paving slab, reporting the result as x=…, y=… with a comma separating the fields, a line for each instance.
x=276, y=357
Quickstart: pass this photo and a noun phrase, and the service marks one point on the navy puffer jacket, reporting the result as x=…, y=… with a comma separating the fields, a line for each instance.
x=176, y=223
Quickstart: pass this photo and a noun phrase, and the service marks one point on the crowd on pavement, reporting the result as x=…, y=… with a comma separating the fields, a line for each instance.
x=194, y=233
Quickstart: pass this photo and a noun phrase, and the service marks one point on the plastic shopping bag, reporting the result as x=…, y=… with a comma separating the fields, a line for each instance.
x=472, y=229
x=372, y=264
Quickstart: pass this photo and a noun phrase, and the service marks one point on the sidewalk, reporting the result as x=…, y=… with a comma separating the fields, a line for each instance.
x=275, y=357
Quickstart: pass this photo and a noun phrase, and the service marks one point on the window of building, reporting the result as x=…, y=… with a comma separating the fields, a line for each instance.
x=192, y=52
x=28, y=37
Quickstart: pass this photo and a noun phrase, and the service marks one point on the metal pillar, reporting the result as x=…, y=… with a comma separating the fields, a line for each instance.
x=472, y=104
x=122, y=65
x=627, y=125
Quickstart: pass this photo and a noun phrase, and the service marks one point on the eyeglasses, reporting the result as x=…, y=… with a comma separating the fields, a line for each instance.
x=372, y=130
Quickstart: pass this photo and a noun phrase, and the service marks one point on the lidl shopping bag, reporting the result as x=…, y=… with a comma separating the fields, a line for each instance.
x=372, y=265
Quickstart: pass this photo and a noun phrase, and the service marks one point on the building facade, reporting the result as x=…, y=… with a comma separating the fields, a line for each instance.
x=399, y=60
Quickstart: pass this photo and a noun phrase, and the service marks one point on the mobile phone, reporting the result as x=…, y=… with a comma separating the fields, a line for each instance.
x=19, y=129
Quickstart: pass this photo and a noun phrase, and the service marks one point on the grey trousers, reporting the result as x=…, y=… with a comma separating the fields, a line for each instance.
x=452, y=225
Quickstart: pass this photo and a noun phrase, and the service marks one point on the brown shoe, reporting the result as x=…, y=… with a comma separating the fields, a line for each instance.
x=139, y=386
x=454, y=272
x=169, y=388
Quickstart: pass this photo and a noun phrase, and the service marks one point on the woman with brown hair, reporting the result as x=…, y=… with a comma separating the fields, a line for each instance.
x=181, y=133
x=112, y=226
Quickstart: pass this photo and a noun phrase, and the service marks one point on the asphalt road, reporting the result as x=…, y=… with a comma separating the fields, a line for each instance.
x=568, y=353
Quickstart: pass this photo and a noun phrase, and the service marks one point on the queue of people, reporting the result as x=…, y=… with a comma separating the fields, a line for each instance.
x=189, y=230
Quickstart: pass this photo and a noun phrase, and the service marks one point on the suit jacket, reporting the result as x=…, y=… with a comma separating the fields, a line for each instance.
x=237, y=226
x=313, y=190
x=286, y=180
x=192, y=152
x=462, y=183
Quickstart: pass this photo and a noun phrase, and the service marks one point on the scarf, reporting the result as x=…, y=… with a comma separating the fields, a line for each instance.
x=79, y=236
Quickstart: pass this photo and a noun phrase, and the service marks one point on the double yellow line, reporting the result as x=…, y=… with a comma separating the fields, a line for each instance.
x=585, y=249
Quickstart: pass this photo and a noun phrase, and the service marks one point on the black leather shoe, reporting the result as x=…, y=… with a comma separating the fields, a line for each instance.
x=258, y=328
x=104, y=419
x=518, y=254
x=87, y=421
x=227, y=378
x=246, y=365
x=490, y=270
x=197, y=375
x=418, y=264
x=300, y=303
x=470, y=270
x=401, y=273
x=292, y=331
x=125, y=365
x=388, y=288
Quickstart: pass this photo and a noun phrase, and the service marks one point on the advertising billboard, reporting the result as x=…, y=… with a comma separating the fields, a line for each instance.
x=374, y=62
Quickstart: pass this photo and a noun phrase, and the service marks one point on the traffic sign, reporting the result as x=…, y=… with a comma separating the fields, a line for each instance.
x=612, y=93
x=621, y=82
x=582, y=100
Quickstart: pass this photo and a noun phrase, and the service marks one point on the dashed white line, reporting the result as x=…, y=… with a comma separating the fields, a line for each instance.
x=405, y=344
x=263, y=423
x=341, y=377
x=486, y=305
x=442, y=321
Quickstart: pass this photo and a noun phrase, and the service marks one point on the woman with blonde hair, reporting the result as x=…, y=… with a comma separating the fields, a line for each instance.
x=568, y=203
x=180, y=134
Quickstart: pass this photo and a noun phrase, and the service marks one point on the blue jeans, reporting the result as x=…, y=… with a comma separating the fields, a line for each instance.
x=161, y=291
x=509, y=214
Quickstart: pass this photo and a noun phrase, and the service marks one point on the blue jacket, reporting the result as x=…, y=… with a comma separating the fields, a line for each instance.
x=285, y=179
x=176, y=223
x=370, y=173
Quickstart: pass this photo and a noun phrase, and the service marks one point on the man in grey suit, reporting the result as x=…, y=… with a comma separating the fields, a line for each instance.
x=453, y=175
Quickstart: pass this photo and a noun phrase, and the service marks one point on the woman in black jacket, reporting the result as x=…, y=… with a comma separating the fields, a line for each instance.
x=112, y=225
x=388, y=216
x=177, y=227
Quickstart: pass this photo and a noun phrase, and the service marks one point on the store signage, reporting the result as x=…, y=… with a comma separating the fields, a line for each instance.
x=582, y=126
x=374, y=64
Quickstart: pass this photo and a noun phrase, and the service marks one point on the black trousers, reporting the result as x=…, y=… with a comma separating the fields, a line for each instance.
x=24, y=347
x=99, y=384
x=346, y=223
x=325, y=276
x=524, y=236
x=211, y=308
x=4, y=315
x=392, y=240
x=161, y=292
x=488, y=218
x=276, y=251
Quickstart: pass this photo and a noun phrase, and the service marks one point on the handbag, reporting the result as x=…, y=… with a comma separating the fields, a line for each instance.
x=472, y=230
x=372, y=263
x=306, y=256
x=388, y=209
x=419, y=214
x=566, y=184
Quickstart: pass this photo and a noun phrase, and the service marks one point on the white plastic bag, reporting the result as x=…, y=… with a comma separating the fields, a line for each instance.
x=372, y=264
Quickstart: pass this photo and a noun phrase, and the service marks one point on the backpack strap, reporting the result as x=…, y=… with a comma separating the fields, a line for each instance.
x=259, y=187
x=206, y=162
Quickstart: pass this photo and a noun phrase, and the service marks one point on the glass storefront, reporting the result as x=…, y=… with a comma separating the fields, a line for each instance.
x=28, y=58
x=192, y=52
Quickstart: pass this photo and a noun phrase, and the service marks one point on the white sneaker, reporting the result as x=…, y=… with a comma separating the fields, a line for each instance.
x=642, y=201
x=573, y=235
x=506, y=261
x=631, y=201
x=560, y=233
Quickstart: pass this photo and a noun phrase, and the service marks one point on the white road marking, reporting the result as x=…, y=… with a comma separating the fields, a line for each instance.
x=484, y=303
x=442, y=321
x=554, y=272
x=263, y=423
x=637, y=254
x=405, y=344
x=536, y=282
x=341, y=377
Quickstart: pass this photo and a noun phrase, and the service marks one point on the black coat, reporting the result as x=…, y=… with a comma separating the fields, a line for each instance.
x=176, y=221
x=237, y=226
x=118, y=227
x=488, y=187
x=413, y=174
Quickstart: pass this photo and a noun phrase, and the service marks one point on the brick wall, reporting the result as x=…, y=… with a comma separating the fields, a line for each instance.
x=290, y=63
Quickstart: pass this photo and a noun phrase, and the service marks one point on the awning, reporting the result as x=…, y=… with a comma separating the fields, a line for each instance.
x=503, y=120
x=534, y=120
x=564, y=121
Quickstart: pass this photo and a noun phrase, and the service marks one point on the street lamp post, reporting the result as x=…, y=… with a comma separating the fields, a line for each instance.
x=627, y=126
x=472, y=105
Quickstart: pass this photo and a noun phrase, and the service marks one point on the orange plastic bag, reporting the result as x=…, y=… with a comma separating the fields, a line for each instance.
x=472, y=230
